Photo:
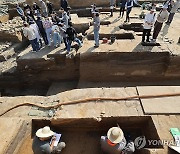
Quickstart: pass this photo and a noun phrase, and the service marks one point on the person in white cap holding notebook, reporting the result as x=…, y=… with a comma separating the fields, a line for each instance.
x=148, y=24
x=115, y=142
x=44, y=142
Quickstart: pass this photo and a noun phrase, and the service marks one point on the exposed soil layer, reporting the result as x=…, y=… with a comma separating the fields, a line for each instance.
x=82, y=136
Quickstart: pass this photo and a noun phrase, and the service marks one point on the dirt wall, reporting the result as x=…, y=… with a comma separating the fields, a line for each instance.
x=123, y=66
x=76, y=3
x=93, y=67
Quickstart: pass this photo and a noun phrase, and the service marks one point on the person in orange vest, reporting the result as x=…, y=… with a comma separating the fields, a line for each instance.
x=116, y=143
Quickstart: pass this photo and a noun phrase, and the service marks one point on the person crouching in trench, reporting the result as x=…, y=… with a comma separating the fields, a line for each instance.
x=115, y=142
x=43, y=143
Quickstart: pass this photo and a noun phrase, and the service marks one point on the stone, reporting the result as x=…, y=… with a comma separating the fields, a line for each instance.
x=11, y=30
x=34, y=113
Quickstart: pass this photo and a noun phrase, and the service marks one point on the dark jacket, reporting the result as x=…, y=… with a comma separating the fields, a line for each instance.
x=40, y=26
x=71, y=33
x=123, y=3
x=55, y=19
x=50, y=7
x=36, y=7
x=27, y=7
x=64, y=5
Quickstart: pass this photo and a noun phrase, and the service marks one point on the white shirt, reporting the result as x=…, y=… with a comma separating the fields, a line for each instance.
x=36, y=29
x=149, y=20
x=162, y=16
x=29, y=33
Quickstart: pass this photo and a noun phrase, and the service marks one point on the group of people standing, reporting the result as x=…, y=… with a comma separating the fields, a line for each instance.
x=156, y=21
x=125, y=5
x=42, y=22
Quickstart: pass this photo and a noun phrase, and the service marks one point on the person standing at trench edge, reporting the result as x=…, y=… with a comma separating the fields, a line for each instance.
x=96, y=23
x=122, y=8
x=161, y=18
x=30, y=34
x=148, y=24
x=129, y=5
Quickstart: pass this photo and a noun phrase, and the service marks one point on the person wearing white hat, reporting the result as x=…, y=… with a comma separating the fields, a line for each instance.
x=44, y=142
x=161, y=18
x=148, y=24
x=115, y=142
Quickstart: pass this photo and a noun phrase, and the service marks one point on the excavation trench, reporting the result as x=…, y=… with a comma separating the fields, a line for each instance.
x=39, y=76
x=108, y=36
x=83, y=135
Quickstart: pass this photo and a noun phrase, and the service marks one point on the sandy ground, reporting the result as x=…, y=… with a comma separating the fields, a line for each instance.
x=171, y=33
x=131, y=45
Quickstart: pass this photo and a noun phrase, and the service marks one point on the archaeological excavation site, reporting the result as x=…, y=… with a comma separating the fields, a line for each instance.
x=107, y=77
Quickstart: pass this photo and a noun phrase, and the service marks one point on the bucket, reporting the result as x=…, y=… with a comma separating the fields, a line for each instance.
x=105, y=40
x=113, y=38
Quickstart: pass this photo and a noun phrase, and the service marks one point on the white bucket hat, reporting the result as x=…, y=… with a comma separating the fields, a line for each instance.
x=115, y=134
x=44, y=132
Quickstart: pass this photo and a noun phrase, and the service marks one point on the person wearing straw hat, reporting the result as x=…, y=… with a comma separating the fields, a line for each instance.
x=44, y=142
x=161, y=18
x=116, y=143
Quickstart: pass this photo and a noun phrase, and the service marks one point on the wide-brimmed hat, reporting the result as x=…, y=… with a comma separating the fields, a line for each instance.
x=115, y=134
x=44, y=132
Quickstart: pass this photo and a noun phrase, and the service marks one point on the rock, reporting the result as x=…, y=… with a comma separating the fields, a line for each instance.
x=10, y=31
